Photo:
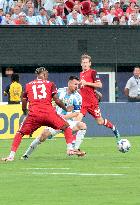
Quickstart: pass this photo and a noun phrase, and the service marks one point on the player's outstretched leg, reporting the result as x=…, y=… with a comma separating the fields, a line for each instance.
x=31, y=148
x=108, y=124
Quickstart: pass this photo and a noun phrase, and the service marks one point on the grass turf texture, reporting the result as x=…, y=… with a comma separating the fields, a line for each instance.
x=50, y=177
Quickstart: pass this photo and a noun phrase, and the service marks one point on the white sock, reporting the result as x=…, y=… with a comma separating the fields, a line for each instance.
x=69, y=146
x=79, y=138
x=12, y=154
x=32, y=146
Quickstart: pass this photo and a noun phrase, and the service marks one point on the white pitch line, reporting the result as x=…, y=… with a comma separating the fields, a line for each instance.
x=45, y=168
x=76, y=174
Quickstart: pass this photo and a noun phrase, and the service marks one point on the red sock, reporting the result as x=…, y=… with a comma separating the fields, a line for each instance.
x=68, y=135
x=16, y=141
x=108, y=124
x=74, y=136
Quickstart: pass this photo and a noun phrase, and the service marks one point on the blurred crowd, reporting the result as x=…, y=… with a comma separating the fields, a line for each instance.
x=69, y=12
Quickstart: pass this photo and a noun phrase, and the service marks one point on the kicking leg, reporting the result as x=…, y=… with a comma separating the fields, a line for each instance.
x=44, y=135
x=108, y=124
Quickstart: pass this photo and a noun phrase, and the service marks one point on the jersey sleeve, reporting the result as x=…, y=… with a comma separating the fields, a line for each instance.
x=54, y=89
x=77, y=102
x=95, y=76
x=128, y=84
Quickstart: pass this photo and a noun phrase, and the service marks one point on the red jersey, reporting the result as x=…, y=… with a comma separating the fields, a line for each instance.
x=69, y=4
x=88, y=93
x=86, y=7
x=39, y=94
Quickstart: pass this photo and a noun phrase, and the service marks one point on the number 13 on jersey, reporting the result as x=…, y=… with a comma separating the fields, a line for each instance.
x=39, y=91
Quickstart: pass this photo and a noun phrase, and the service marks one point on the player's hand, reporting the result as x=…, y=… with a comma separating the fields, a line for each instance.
x=70, y=108
x=83, y=83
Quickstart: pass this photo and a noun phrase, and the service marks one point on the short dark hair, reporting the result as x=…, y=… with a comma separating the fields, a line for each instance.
x=15, y=77
x=73, y=77
x=40, y=70
x=42, y=8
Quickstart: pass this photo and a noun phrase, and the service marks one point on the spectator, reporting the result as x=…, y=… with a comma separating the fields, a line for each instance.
x=14, y=90
x=48, y=5
x=60, y=10
x=21, y=20
x=68, y=6
x=111, y=15
x=2, y=17
x=74, y=20
x=86, y=7
x=37, y=4
x=123, y=20
x=105, y=8
x=115, y=21
x=7, y=5
x=94, y=8
x=118, y=10
x=31, y=19
x=7, y=20
x=131, y=8
x=132, y=88
x=29, y=4
x=20, y=4
x=137, y=10
x=42, y=18
x=132, y=19
x=99, y=17
x=90, y=20
x=53, y=20
x=16, y=12
x=58, y=19
x=104, y=20
x=79, y=15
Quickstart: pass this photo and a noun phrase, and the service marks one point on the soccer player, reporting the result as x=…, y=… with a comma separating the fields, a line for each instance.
x=89, y=81
x=70, y=97
x=39, y=94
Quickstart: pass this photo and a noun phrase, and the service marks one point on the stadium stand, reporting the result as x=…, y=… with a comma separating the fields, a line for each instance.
x=69, y=12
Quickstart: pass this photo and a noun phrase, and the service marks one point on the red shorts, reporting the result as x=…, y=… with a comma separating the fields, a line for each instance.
x=33, y=121
x=93, y=110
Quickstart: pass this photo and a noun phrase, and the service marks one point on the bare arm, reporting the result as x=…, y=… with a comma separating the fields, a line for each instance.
x=126, y=92
x=61, y=104
x=71, y=115
x=97, y=84
x=24, y=106
x=24, y=103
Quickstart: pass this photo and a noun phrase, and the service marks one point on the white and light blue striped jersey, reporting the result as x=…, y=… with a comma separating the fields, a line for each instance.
x=73, y=99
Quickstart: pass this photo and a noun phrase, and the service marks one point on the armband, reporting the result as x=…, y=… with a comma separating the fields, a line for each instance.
x=77, y=107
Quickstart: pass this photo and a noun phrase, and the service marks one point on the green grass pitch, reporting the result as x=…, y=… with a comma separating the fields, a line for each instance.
x=104, y=177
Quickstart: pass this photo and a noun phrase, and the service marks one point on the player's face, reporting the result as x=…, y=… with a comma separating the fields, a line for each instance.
x=43, y=75
x=85, y=64
x=73, y=85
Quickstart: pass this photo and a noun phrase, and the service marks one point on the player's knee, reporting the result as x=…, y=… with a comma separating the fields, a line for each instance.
x=44, y=136
x=100, y=121
x=65, y=126
x=82, y=126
